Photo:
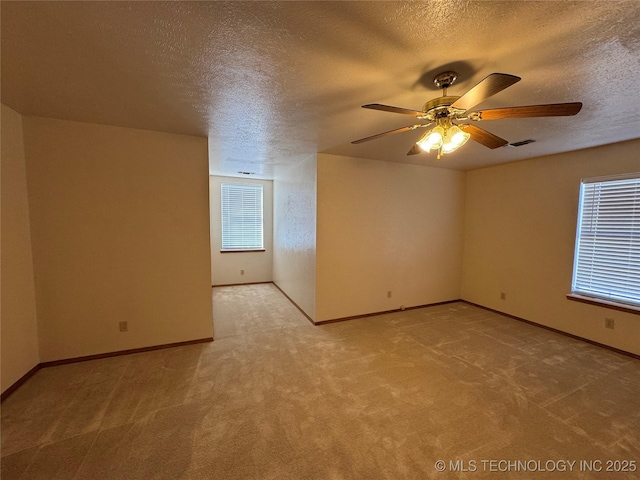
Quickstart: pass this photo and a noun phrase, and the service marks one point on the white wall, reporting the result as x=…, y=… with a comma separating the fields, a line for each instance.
x=120, y=232
x=294, y=252
x=18, y=303
x=226, y=268
x=385, y=226
x=520, y=235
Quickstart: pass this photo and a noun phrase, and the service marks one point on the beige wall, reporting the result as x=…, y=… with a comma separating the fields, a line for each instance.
x=120, y=232
x=19, y=328
x=385, y=226
x=519, y=239
x=120, y=223
x=226, y=267
x=294, y=253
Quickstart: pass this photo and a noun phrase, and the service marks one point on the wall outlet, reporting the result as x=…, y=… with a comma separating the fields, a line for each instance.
x=389, y=294
x=609, y=323
x=124, y=326
x=241, y=272
x=503, y=296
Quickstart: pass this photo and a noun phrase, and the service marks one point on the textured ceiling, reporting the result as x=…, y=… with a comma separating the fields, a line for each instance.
x=271, y=83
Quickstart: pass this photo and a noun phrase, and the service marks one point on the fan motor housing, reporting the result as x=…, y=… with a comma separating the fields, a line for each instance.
x=439, y=102
x=438, y=107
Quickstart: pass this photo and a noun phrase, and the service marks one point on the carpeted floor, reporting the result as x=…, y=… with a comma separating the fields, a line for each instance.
x=376, y=398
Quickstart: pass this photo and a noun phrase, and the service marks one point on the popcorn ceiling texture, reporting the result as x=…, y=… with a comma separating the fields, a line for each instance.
x=274, y=82
x=377, y=398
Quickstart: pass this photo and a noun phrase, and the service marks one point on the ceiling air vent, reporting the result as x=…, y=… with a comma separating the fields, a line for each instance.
x=520, y=143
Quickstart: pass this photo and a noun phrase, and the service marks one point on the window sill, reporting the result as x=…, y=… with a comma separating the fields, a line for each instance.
x=624, y=307
x=241, y=251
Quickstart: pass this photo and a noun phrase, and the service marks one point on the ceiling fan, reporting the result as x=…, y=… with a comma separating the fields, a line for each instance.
x=450, y=115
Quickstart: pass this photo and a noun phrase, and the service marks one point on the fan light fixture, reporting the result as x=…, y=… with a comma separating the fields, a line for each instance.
x=445, y=138
x=454, y=118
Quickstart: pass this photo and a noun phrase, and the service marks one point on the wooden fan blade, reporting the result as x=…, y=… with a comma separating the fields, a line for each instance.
x=492, y=84
x=388, y=108
x=390, y=132
x=551, y=110
x=415, y=150
x=483, y=137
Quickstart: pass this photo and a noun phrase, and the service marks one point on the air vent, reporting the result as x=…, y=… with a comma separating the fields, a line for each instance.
x=520, y=143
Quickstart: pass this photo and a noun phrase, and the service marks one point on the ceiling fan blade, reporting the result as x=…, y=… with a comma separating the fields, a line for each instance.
x=390, y=132
x=388, y=108
x=551, y=110
x=415, y=150
x=492, y=84
x=483, y=137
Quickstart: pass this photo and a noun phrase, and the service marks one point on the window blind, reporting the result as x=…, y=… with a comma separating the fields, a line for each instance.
x=607, y=256
x=242, y=227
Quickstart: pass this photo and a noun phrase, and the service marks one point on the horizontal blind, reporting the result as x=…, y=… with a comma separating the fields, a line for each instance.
x=242, y=217
x=607, y=258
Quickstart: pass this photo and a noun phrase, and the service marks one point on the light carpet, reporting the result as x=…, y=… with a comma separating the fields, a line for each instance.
x=385, y=397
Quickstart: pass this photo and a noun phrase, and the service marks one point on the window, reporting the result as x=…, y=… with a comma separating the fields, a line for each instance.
x=242, y=217
x=607, y=256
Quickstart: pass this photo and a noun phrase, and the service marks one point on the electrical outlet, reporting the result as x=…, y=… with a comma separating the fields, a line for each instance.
x=241, y=272
x=503, y=296
x=609, y=323
x=124, y=326
x=389, y=294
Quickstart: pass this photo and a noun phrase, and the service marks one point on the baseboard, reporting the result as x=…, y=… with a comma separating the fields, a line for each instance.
x=295, y=304
x=117, y=353
x=555, y=330
x=15, y=385
x=365, y=315
x=237, y=284
x=384, y=312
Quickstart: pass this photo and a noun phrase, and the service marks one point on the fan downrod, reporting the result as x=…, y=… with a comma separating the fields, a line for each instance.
x=445, y=79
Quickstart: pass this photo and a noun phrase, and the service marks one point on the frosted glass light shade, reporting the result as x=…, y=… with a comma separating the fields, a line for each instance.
x=432, y=139
x=454, y=139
